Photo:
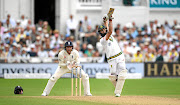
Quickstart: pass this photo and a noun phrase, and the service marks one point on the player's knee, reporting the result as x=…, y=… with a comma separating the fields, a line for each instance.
x=112, y=77
x=122, y=74
x=53, y=78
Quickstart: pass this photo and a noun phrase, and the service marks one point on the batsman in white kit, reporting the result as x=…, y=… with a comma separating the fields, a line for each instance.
x=115, y=57
x=68, y=58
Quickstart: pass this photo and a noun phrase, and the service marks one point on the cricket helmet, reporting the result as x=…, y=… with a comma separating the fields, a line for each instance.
x=101, y=27
x=18, y=90
x=68, y=44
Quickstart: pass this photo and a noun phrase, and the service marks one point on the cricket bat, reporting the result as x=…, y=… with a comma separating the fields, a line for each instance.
x=111, y=11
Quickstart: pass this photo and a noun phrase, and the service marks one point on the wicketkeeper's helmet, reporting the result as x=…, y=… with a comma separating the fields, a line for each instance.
x=67, y=44
x=18, y=90
x=101, y=27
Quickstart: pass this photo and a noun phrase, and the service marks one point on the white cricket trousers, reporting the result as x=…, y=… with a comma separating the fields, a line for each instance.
x=118, y=73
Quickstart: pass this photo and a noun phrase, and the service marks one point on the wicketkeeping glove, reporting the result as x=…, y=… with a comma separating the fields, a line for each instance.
x=69, y=66
x=68, y=63
x=74, y=63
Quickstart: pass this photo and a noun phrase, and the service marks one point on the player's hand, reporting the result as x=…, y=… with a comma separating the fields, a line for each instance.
x=74, y=63
x=105, y=17
x=68, y=63
x=69, y=66
x=111, y=17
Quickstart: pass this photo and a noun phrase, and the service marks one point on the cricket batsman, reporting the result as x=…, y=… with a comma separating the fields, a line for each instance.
x=115, y=56
x=68, y=58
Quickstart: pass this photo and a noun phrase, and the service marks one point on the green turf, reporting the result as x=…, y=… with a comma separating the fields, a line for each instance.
x=99, y=87
x=152, y=86
x=164, y=87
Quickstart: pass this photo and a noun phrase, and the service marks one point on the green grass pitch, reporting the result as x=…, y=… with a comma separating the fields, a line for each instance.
x=163, y=87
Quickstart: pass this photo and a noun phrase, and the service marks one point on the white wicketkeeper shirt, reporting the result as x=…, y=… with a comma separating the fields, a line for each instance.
x=63, y=57
x=110, y=46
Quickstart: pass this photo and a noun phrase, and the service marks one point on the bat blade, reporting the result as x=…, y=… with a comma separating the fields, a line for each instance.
x=111, y=11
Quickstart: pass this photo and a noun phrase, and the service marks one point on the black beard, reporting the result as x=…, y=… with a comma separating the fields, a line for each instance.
x=103, y=34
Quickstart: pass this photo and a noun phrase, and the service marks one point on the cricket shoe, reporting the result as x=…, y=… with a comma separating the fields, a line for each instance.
x=117, y=95
x=88, y=94
x=44, y=94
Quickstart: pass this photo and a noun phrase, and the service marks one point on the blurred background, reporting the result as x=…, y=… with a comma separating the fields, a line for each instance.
x=33, y=32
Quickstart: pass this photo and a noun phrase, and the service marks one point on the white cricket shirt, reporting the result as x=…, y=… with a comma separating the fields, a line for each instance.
x=110, y=46
x=63, y=57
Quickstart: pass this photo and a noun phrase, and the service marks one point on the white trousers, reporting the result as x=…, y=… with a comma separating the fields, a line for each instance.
x=59, y=72
x=117, y=64
x=118, y=73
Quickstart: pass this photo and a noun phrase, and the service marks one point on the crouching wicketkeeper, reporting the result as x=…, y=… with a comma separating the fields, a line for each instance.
x=67, y=58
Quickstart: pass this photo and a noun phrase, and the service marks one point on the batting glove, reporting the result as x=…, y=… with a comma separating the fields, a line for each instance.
x=111, y=17
x=105, y=17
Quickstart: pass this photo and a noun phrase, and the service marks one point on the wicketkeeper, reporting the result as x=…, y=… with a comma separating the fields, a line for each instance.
x=67, y=58
x=115, y=56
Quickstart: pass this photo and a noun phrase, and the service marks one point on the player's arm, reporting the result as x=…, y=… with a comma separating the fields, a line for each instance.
x=61, y=60
x=110, y=29
x=106, y=24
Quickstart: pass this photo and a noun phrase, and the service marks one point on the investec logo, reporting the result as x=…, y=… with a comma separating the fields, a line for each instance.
x=25, y=70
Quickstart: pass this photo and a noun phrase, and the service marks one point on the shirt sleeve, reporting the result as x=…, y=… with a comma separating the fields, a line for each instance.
x=61, y=60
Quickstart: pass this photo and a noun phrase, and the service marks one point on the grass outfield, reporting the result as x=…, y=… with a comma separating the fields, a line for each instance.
x=163, y=87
